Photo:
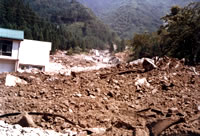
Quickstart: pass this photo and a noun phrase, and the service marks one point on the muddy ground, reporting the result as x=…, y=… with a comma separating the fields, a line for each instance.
x=111, y=98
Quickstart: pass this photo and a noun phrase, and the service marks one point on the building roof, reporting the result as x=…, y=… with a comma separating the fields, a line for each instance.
x=11, y=34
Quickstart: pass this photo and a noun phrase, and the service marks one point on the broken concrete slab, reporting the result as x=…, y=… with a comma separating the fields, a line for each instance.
x=148, y=64
x=12, y=80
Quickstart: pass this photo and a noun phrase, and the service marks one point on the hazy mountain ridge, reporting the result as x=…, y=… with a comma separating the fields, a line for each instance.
x=132, y=16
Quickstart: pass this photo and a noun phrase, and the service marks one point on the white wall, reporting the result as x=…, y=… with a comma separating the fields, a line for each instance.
x=34, y=52
x=15, y=49
x=7, y=66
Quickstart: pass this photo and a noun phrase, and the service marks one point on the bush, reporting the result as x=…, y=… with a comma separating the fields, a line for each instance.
x=146, y=45
x=180, y=35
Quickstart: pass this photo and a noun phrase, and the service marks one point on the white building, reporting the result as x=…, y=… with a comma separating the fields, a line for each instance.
x=17, y=52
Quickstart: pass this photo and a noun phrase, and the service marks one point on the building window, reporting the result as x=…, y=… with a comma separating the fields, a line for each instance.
x=6, y=48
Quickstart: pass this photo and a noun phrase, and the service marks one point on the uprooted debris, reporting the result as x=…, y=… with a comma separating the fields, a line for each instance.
x=119, y=100
x=156, y=128
x=27, y=121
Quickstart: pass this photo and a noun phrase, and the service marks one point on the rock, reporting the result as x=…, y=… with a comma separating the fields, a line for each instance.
x=92, y=96
x=26, y=121
x=154, y=91
x=98, y=90
x=198, y=108
x=137, y=62
x=21, y=93
x=115, y=81
x=142, y=82
x=70, y=110
x=12, y=80
x=114, y=60
x=141, y=132
x=78, y=95
x=148, y=64
x=97, y=130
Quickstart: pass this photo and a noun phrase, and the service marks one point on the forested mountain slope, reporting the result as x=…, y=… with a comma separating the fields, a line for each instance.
x=14, y=14
x=66, y=23
x=86, y=29
x=127, y=17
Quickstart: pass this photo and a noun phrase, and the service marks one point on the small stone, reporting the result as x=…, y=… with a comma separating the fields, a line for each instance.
x=154, y=91
x=98, y=90
x=21, y=93
x=115, y=81
x=92, y=96
x=97, y=130
x=110, y=94
x=77, y=94
x=141, y=132
x=198, y=108
x=142, y=82
x=70, y=110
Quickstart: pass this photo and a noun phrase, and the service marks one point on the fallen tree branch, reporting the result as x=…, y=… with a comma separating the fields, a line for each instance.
x=118, y=73
x=156, y=128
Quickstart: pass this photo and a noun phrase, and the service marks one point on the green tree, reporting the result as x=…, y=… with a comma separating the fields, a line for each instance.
x=121, y=45
x=146, y=45
x=180, y=37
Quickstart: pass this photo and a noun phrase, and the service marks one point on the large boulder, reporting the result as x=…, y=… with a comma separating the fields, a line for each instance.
x=12, y=80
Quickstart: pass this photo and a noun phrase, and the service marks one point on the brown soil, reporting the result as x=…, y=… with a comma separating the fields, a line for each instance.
x=111, y=101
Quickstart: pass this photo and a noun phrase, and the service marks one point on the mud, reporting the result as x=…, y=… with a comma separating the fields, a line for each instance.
x=110, y=98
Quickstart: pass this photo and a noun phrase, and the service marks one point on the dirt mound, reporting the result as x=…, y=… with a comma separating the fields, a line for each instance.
x=122, y=100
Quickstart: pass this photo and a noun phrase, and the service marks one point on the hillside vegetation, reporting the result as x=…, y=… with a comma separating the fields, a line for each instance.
x=127, y=17
x=178, y=37
x=79, y=22
x=16, y=15
x=66, y=23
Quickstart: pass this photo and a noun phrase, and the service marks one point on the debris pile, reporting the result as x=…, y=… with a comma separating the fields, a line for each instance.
x=160, y=97
x=94, y=60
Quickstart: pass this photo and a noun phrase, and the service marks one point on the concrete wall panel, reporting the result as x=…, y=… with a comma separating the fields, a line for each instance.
x=7, y=66
x=34, y=52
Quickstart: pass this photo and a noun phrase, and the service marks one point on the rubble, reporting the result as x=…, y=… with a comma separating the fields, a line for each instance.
x=94, y=60
x=108, y=99
x=16, y=130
